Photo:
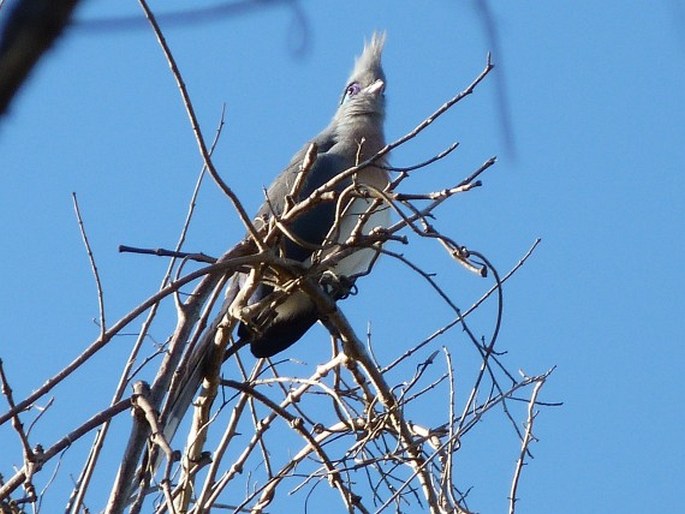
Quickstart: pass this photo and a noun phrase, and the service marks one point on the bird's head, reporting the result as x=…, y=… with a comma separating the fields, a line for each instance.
x=362, y=106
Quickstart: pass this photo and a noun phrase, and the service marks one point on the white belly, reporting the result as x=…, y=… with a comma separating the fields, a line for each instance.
x=361, y=260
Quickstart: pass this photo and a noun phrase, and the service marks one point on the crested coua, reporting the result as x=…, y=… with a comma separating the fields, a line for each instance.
x=278, y=315
x=354, y=134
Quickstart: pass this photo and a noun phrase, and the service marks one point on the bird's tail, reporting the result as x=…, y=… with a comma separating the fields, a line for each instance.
x=183, y=391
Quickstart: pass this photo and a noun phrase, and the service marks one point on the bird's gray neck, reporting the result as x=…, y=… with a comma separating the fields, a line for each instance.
x=361, y=135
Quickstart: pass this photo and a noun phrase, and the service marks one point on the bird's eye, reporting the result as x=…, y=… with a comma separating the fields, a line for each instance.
x=353, y=89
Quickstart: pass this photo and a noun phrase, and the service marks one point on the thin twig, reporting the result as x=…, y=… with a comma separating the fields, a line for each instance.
x=16, y=422
x=163, y=252
x=93, y=266
x=404, y=170
x=462, y=315
x=527, y=438
x=14, y=482
x=206, y=157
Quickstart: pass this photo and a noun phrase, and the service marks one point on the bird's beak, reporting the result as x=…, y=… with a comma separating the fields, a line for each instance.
x=377, y=87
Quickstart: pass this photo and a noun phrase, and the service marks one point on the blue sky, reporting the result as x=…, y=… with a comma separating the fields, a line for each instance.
x=594, y=92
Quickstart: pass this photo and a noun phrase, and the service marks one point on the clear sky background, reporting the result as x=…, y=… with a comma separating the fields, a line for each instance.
x=594, y=95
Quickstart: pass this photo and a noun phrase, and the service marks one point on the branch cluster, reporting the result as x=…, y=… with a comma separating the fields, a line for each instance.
x=277, y=427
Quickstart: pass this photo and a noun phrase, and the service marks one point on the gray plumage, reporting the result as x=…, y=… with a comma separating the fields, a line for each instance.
x=354, y=134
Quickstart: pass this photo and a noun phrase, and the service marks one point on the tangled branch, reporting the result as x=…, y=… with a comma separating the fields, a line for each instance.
x=276, y=426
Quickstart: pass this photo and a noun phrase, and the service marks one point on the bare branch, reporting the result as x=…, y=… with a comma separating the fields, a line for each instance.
x=93, y=266
x=16, y=422
x=355, y=422
x=525, y=443
x=9, y=486
x=206, y=157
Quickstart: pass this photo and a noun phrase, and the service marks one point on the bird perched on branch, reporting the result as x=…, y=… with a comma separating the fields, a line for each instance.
x=315, y=215
x=354, y=135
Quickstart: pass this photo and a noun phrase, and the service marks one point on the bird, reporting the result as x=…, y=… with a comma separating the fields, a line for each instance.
x=354, y=134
